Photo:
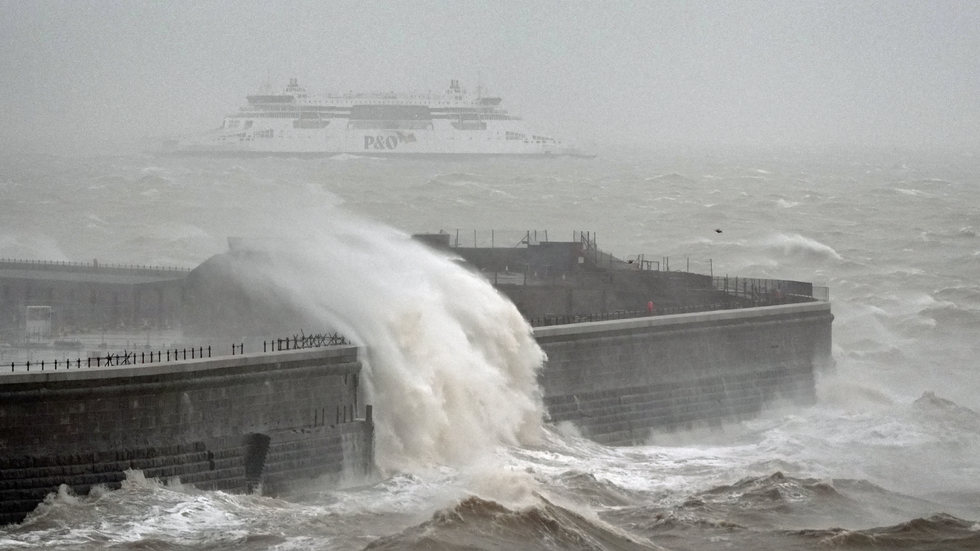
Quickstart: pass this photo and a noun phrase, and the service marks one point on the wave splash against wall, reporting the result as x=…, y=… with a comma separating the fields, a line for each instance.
x=450, y=364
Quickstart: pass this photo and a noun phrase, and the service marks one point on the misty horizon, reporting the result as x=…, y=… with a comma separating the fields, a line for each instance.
x=752, y=74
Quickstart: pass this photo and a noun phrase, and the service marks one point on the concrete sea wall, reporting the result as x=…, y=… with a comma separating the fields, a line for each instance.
x=235, y=423
x=275, y=420
x=616, y=381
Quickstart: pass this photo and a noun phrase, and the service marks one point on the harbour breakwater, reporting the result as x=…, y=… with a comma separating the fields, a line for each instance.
x=618, y=381
x=253, y=422
x=270, y=421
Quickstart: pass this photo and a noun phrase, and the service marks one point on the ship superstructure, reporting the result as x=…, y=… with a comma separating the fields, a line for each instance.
x=293, y=122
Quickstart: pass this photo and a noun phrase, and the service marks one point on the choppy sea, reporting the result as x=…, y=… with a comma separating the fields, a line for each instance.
x=888, y=457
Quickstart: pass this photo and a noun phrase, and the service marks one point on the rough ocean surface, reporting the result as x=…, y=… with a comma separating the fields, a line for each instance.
x=889, y=457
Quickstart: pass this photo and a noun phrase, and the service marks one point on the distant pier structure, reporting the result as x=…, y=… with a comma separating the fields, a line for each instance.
x=550, y=282
x=56, y=297
x=575, y=281
x=635, y=349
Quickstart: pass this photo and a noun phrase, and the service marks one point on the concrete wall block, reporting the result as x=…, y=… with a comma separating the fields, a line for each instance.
x=13, y=484
x=228, y=463
x=11, y=508
x=235, y=452
x=666, y=376
x=235, y=485
x=136, y=414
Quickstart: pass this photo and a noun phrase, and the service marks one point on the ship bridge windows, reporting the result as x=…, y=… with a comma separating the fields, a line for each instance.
x=296, y=114
x=390, y=117
x=265, y=99
x=390, y=125
x=390, y=112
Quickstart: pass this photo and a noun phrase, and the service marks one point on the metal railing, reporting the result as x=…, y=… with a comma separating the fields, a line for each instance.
x=117, y=359
x=770, y=290
x=298, y=342
x=545, y=321
x=746, y=292
x=496, y=239
x=171, y=355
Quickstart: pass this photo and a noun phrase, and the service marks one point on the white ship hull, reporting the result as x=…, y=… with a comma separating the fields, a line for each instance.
x=293, y=124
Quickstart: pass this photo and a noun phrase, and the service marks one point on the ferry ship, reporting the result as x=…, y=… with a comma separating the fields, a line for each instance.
x=294, y=123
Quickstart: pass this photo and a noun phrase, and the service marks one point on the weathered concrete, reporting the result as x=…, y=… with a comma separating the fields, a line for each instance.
x=234, y=423
x=618, y=380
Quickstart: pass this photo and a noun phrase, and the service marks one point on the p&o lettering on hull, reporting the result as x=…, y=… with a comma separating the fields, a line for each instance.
x=380, y=142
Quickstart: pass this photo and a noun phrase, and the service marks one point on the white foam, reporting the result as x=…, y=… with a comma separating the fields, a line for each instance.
x=348, y=157
x=798, y=245
x=450, y=362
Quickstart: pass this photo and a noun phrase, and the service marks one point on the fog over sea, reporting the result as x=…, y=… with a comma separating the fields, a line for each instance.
x=889, y=456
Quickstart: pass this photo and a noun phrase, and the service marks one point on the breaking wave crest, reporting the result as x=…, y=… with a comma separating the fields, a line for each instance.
x=800, y=246
x=730, y=516
x=940, y=531
x=479, y=524
x=452, y=360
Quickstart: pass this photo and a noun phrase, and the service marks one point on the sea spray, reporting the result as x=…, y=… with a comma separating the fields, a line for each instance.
x=795, y=245
x=450, y=364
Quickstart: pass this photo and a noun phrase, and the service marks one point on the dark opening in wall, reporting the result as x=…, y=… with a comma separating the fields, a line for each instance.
x=256, y=447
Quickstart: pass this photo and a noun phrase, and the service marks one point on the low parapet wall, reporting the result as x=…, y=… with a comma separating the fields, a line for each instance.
x=616, y=381
x=235, y=423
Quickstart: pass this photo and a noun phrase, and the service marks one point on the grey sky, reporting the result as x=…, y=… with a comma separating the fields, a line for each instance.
x=613, y=73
